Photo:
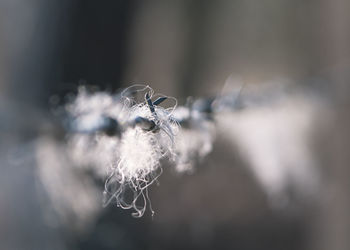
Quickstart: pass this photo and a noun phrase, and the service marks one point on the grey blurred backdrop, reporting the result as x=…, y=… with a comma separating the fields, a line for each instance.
x=181, y=48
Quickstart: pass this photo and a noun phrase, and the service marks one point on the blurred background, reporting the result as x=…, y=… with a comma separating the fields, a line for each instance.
x=184, y=48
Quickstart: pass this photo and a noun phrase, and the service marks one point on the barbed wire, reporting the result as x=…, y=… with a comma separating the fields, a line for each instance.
x=123, y=137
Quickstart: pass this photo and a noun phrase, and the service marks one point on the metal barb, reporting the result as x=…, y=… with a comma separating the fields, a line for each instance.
x=160, y=100
x=150, y=104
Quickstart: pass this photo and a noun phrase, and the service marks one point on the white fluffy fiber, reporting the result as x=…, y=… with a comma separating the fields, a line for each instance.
x=132, y=160
x=139, y=155
x=140, y=151
x=93, y=151
x=193, y=141
x=275, y=142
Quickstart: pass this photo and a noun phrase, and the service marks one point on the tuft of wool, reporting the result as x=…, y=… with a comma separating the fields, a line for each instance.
x=139, y=154
x=131, y=158
x=139, y=158
x=87, y=149
x=276, y=150
x=93, y=152
x=194, y=141
x=88, y=105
